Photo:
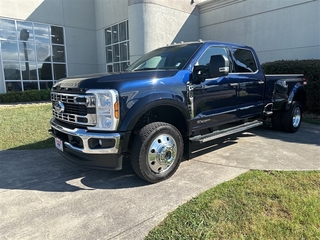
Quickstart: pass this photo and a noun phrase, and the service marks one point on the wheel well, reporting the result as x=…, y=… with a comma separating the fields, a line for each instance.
x=168, y=114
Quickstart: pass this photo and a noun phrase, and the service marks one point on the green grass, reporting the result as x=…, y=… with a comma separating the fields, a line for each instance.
x=25, y=127
x=256, y=205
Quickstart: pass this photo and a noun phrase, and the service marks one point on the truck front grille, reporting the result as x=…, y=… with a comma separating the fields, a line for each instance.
x=74, y=108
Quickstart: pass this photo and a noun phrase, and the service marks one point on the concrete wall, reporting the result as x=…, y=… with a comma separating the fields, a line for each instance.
x=156, y=23
x=107, y=12
x=78, y=18
x=286, y=29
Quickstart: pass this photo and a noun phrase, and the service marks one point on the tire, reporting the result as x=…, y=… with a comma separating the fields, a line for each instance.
x=292, y=118
x=157, y=152
x=276, y=121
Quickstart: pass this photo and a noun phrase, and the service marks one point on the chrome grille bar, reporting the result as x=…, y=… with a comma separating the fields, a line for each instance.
x=74, y=108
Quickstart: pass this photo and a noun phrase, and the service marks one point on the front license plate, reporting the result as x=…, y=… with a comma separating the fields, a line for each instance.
x=59, y=144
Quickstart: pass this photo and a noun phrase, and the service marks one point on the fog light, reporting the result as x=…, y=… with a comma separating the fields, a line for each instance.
x=95, y=143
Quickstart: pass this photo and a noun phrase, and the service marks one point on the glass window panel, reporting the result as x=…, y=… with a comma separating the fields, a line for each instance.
x=116, y=55
x=128, y=50
x=30, y=85
x=9, y=50
x=123, y=51
x=11, y=70
x=7, y=30
x=29, y=71
x=25, y=31
x=205, y=58
x=43, y=53
x=109, y=54
x=109, y=68
x=116, y=67
x=34, y=44
x=108, y=35
x=42, y=33
x=127, y=29
x=13, y=86
x=123, y=66
x=122, y=31
x=244, y=61
x=115, y=34
x=27, y=51
x=58, y=53
x=57, y=35
x=45, y=71
x=46, y=85
x=59, y=71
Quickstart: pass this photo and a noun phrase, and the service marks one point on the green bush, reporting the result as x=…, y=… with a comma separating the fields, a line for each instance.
x=311, y=70
x=26, y=96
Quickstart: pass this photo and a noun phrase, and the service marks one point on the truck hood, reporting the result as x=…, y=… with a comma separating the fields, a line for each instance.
x=108, y=80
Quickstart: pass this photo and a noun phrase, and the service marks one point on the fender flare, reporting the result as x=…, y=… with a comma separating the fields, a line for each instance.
x=297, y=89
x=147, y=103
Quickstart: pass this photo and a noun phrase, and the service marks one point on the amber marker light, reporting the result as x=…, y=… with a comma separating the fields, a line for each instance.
x=116, y=110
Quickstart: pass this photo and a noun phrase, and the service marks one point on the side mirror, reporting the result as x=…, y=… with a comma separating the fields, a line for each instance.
x=219, y=66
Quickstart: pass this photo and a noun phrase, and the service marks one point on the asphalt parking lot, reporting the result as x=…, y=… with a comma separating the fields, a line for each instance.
x=43, y=196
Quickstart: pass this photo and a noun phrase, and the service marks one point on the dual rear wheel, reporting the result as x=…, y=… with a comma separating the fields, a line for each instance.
x=289, y=121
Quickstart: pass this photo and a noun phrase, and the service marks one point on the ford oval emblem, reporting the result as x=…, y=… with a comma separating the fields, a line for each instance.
x=59, y=107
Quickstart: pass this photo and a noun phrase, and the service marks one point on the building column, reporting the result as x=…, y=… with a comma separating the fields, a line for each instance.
x=156, y=23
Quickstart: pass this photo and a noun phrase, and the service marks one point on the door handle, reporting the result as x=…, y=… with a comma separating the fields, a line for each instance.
x=232, y=85
x=260, y=82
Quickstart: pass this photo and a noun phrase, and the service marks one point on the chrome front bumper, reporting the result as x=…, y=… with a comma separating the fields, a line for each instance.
x=85, y=136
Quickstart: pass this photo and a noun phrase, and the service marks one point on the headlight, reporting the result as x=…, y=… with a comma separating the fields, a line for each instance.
x=107, y=109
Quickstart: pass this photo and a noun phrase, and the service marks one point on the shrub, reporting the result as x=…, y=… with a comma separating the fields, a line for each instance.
x=311, y=70
x=26, y=96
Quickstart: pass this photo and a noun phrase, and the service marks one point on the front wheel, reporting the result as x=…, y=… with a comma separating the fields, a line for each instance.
x=157, y=152
x=292, y=118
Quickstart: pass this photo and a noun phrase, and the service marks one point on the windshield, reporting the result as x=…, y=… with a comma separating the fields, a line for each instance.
x=172, y=57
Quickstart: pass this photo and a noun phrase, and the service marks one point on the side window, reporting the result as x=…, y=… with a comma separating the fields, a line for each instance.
x=205, y=58
x=244, y=61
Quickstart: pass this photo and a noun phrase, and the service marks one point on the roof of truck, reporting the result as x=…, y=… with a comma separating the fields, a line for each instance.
x=211, y=42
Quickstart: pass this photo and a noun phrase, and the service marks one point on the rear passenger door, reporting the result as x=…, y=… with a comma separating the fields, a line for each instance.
x=215, y=99
x=251, y=83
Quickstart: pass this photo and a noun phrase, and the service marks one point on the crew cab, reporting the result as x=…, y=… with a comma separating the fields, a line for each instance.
x=167, y=100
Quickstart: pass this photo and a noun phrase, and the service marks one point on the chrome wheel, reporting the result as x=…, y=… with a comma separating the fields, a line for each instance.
x=157, y=151
x=292, y=118
x=162, y=153
x=296, y=117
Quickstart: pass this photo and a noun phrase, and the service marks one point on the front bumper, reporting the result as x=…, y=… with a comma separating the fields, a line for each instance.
x=87, y=148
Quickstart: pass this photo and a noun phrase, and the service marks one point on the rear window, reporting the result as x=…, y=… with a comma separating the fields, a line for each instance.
x=244, y=61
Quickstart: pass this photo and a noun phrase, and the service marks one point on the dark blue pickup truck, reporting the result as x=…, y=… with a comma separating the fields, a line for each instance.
x=165, y=101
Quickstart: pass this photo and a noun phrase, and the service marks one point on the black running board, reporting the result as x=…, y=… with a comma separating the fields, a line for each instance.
x=225, y=132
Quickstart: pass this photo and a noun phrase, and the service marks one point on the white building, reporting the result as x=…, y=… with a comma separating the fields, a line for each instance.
x=44, y=40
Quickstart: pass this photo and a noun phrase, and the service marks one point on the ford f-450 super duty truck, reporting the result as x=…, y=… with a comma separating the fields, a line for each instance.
x=165, y=101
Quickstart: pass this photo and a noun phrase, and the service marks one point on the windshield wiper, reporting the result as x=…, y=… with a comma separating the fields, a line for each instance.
x=143, y=69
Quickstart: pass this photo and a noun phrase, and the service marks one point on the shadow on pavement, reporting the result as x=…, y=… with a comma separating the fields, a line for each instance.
x=307, y=134
x=46, y=170
x=204, y=148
